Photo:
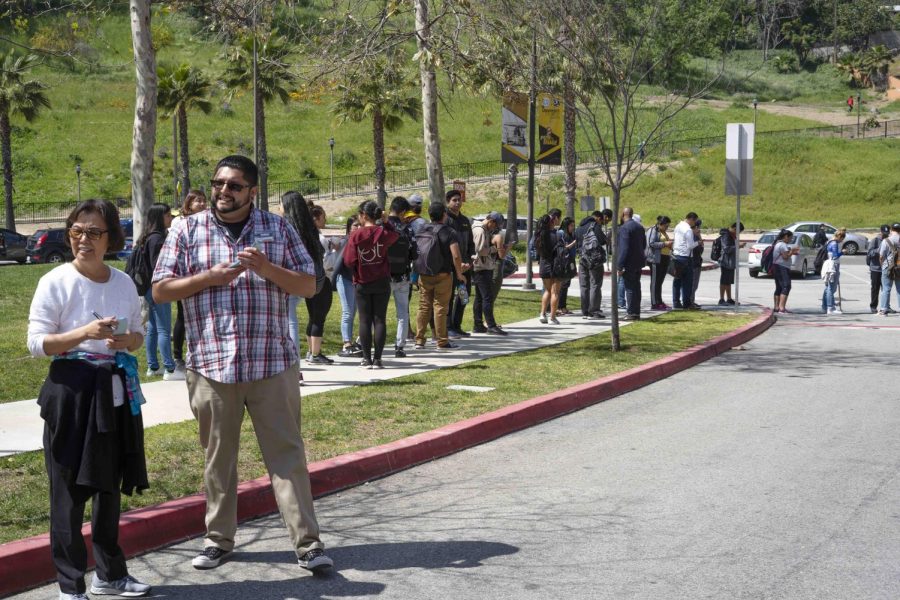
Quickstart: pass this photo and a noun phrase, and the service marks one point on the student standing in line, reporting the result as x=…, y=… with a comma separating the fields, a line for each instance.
x=159, y=323
x=82, y=315
x=194, y=202
x=728, y=262
x=367, y=255
x=659, y=253
x=234, y=267
x=781, y=259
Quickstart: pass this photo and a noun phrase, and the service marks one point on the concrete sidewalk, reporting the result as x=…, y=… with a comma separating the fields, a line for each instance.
x=21, y=428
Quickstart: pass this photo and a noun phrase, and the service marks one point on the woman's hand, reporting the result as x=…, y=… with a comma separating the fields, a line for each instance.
x=100, y=329
x=122, y=342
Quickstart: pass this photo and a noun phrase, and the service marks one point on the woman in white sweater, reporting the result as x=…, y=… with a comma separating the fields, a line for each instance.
x=82, y=315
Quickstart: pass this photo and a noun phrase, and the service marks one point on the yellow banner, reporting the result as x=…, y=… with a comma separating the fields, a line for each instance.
x=550, y=129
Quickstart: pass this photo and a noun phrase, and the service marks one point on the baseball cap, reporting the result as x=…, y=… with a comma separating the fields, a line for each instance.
x=637, y=218
x=415, y=200
x=895, y=227
x=885, y=229
x=495, y=217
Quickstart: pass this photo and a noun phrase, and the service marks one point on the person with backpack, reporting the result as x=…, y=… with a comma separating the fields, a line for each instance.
x=592, y=259
x=463, y=227
x=831, y=272
x=566, y=233
x=439, y=265
x=401, y=255
x=724, y=251
x=552, y=258
x=194, y=202
x=890, y=269
x=873, y=261
x=343, y=282
x=659, y=253
x=631, y=255
x=367, y=255
x=697, y=261
x=158, y=341
x=483, y=275
x=781, y=265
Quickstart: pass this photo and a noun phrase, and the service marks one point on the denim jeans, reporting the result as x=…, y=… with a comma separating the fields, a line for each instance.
x=828, y=294
x=620, y=291
x=348, y=306
x=159, y=334
x=886, y=285
x=683, y=287
x=293, y=322
x=400, y=291
x=632, y=282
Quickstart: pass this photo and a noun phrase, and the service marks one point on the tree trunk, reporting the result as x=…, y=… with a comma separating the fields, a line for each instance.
x=378, y=145
x=569, y=157
x=429, y=104
x=185, y=155
x=6, y=143
x=144, y=134
x=614, y=273
x=262, y=197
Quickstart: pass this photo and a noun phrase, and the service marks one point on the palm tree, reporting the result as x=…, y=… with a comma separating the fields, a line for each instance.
x=18, y=96
x=273, y=77
x=182, y=88
x=384, y=95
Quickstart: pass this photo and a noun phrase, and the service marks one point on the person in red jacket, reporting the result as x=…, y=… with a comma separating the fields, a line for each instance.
x=366, y=256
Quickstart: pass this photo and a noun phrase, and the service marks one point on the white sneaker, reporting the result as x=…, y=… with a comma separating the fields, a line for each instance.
x=154, y=372
x=835, y=311
x=176, y=375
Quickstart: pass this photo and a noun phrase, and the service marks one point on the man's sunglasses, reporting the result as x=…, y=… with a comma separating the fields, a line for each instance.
x=228, y=185
x=92, y=234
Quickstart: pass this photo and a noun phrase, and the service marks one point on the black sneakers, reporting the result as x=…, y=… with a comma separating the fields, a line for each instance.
x=315, y=560
x=399, y=353
x=210, y=558
x=495, y=330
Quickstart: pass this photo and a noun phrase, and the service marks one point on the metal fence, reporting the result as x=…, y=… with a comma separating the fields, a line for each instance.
x=403, y=180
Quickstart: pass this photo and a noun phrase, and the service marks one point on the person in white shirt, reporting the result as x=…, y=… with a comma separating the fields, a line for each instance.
x=682, y=250
x=86, y=315
x=781, y=258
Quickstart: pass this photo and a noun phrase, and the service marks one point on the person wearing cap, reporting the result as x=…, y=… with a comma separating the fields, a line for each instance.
x=415, y=220
x=890, y=247
x=483, y=274
x=873, y=260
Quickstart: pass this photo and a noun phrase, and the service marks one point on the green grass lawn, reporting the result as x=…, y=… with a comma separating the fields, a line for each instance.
x=355, y=418
x=18, y=283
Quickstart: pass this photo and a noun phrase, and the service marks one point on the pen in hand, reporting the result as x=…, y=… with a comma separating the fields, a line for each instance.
x=94, y=312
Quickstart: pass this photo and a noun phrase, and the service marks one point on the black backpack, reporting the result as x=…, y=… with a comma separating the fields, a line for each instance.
x=402, y=252
x=716, y=252
x=431, y=256
x=821, y=257
x=140, y=270
x=767, y=260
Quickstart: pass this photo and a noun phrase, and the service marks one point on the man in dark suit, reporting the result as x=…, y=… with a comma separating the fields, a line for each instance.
x=631, y=246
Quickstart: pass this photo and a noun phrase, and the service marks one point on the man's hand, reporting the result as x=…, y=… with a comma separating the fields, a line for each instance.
x=254, y=260
x=224, y=273
x=466, y=267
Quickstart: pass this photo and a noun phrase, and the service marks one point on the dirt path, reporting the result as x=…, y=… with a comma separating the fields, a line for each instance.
x=838, y=116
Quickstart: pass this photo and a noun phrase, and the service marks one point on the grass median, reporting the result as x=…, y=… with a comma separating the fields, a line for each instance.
x=360, y=417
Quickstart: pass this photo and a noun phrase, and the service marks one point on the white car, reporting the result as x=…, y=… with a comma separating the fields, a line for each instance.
x=853, y=243
x=801, y=264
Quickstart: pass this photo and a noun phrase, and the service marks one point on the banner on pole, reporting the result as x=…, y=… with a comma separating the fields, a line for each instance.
x=514, y=138
x=550, y=129
x=739, y=159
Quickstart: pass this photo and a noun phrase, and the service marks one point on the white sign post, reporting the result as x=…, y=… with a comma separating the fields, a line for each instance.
x=738, y=180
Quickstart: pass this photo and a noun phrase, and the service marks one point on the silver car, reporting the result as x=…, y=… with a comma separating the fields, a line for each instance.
x=853, y=243
x=801, y=264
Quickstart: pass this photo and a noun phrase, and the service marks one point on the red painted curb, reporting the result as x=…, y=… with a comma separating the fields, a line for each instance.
x=26, y=563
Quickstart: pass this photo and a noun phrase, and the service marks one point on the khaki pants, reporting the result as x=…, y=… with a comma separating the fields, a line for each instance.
x=434, y=295
x=274, y=407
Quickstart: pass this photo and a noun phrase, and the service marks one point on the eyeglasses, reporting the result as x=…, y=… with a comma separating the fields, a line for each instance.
x=92, y=234
x=229, y=185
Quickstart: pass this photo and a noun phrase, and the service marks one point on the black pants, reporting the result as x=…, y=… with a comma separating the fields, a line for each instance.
x=178, y=333
x=876, y=289
x=564, y=292
x=318, y=307
x=657, y=276
x=67, y=546
x=632, y=279
x=484, y=298
x=372, y=304
x=454, y=319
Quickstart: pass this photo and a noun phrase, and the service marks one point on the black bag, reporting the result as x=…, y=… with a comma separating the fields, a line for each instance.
x=767, y=260
x=676, y=269
x=821, y=257
x=431, y=256
x=140, y=270
x=716, y=252
x=561, y=261
x=402, y=252
x=510, y=265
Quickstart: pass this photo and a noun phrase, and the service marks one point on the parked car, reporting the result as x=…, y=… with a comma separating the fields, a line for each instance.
x=128, y=229
x=853, y=243
x=12, y=245
x=48, y=246
x=521, y=225
x=801, y=264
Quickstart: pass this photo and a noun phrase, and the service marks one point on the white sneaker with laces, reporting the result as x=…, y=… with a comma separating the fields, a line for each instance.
x=127, y=586
x=176, y=375
x=154, y=372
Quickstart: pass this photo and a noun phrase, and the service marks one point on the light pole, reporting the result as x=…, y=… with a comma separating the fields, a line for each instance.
x=331, y=145
x=78, y=176
x=858, y=111
x=755, y=103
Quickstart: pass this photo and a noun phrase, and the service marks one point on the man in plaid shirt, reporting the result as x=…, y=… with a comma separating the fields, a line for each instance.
x=233, y=267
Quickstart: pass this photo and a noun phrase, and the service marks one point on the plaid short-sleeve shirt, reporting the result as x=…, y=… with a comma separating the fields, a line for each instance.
x=238, y=332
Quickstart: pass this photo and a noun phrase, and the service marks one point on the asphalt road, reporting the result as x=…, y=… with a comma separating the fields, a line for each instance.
x=769, y=472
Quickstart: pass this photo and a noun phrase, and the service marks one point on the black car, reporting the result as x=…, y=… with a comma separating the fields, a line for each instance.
x=48, y=246
x=12, y=245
